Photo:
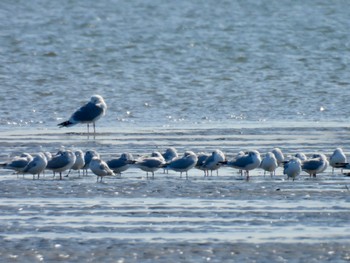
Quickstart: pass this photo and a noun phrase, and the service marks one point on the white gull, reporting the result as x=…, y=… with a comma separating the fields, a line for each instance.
x=213, y=162
x=269, y=163
x=337, y=159
x=279, y=155
x=292, y=168
x=100, y=168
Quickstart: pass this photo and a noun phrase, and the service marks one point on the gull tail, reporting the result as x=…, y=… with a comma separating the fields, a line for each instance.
x=165, y=165
x=65, y=124
x=342, y=165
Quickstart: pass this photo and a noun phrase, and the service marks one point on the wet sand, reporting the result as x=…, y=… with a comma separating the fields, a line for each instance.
x=169, y=219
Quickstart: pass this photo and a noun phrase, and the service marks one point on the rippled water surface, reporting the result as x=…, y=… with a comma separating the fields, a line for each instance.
x=229, y=75
x=163, y=62
x=219, y=218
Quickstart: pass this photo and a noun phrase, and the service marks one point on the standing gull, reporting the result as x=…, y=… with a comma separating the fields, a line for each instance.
x=201, y=157
x=79, y=161
x=269, y=163
x=121, y=164
x=88, y=113
x=62, y=161
x=36, y=166
x=239, y=154
x=324, y=158
x=150, y=164
x=184, y=163
x=246, y=162
x=100, y=168
x=317, y=164
x=337, y=159
x=169, y=155
x=213, y=162
x=87, y=159
x=292, y=168
x=18, y=163
x=279, y=155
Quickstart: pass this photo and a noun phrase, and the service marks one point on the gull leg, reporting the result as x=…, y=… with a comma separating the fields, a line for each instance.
x=68, y=172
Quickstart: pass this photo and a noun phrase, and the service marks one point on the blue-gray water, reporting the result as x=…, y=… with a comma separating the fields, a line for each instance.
x=197, y=75
x=159, y=62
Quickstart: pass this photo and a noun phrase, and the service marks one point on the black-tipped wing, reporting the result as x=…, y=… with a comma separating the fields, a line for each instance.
x=311, y=165
x=87, y=113
x=243, y=161
x=65, y=124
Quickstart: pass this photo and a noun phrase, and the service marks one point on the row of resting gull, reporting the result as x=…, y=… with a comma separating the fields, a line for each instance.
x=244, y=161
x=67, y=162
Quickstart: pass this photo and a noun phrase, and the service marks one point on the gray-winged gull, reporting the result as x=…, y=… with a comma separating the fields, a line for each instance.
x=88, y=113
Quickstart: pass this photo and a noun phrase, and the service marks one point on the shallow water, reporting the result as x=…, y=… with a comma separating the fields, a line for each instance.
x=228, y=75
x=217, y=219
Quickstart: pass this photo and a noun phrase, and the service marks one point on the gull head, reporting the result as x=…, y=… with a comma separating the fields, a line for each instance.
x=96, y=99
